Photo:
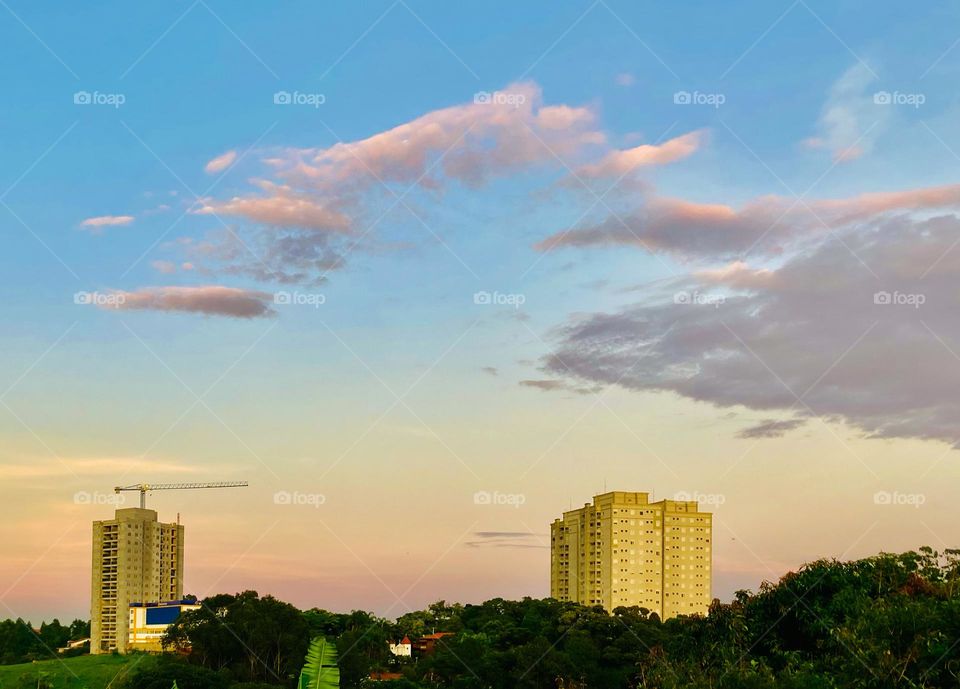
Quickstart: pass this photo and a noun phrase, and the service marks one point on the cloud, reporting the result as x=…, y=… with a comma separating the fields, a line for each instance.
x=220, y=163
x=765, y=226
x=313, y=206
x=849, y=120
x=625, y=79
x=282, y=209
x=506, y=539
x=101, y=221
x=771, y=428
x=616, y=164
x=89, y=466
x=490, y=370
x=164, y=267
x=544, y=384
x=210, y=300
x=861, y=331
x=556, y=385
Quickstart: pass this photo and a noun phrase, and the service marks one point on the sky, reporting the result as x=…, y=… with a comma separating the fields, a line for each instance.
x=428, y=274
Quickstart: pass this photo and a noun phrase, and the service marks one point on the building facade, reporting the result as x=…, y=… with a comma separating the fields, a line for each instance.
x=136, y=559
x=624, y=550
x=149, y=622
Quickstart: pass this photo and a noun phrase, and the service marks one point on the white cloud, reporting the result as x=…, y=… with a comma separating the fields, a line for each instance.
x=220, y=163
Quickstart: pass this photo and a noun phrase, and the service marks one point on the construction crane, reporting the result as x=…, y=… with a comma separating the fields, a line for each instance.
x=144, y=487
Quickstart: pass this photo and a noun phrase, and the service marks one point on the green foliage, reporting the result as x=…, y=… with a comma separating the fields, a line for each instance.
x=320, y=669
x=882, y=622
x=90, y=672
x=256, y=639
x=172, y=671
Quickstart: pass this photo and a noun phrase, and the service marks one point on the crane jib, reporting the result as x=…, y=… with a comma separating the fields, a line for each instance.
x=143, y=488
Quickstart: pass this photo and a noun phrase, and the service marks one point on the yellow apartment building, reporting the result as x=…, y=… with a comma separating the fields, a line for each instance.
x=136, y=559
x=624, y=550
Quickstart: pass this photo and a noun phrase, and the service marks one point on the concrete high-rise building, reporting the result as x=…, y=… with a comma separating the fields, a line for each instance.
x=624, y=550
x=136, y=559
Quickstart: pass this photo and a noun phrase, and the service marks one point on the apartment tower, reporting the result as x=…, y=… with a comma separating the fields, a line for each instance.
x=136, y=559
x=624, y=550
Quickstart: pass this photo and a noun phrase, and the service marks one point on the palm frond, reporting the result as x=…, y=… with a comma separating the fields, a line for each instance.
x=320, y=669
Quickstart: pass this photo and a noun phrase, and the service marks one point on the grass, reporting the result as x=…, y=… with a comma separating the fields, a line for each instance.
x=81, y=672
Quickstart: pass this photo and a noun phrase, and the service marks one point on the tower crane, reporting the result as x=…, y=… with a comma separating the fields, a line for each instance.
x=144, y=487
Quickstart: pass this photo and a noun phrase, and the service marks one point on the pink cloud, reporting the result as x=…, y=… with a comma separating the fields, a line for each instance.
x=324, y=198
x=283, y=209
x=220, y=163
x=165, y=267
x=620, y=163
x=210, y=300
x=766, y=224
x=477, y=140
x=101, y=221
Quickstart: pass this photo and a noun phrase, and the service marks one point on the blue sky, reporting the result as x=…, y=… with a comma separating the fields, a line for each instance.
x=304, y=397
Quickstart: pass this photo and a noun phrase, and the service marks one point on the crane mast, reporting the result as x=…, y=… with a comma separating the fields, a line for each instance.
x=143, y=488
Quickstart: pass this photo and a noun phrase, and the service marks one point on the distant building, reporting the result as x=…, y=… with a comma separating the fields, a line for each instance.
x=624, y=550
x=148, y=623
x=136, y=558
x=426, y=645
x=73, y=645
x=403, y=648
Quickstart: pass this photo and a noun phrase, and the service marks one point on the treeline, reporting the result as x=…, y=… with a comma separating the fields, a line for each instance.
x=880, y=622
x=21, y=643
x=884, y=621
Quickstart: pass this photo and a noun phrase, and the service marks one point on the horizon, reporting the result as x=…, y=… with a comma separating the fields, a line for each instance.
x=427, y=278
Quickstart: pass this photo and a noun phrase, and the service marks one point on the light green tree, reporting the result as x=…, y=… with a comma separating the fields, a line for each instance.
x=320, y=670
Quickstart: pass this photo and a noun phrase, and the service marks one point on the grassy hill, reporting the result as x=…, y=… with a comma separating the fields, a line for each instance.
x=82, y=672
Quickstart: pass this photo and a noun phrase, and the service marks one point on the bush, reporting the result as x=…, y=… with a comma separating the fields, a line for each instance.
x=163, y=674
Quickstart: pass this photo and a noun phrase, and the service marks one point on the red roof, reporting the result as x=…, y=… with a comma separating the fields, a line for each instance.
x=438, y=635
x=386, y=675
x=406, y=640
